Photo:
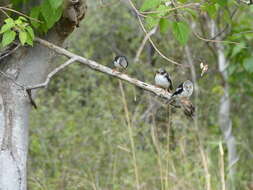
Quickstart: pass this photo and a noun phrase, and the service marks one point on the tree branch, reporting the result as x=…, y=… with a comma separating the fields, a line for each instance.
x=95, y=66
x=150, y=33
x=149, y=37
x=9, y=51
x=51, y=74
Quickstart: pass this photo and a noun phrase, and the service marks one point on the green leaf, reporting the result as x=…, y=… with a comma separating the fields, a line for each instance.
x=57, y=14
x=237, y=49
x=8, y=37
x=29, y=40
x=22, y=37
x=222, y=3
x=151, y=22
x=56, y=3
x=22, y=18
x=149, y=4
x=35, y=12
x=248, y=64
x=9, y=21
x=181, y=32
x=6, y=27
x=164, y=25
x=50, y=15
x=30, y=31
x=162, y=9
x=210, y=9
x=47, y=11
x=18, y=22
x=192, y=12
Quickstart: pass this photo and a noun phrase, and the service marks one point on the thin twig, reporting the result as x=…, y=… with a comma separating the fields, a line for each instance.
x=149, y=38
x=5, y=13
x=51, y=74
x=130, y=133
x=171, y=9
x=157, y=50
x=135, y=9
x=145, y=13
x=101, y=68
x=205, y=165
x=215, y=41
x=150, y=33
x=22, y=14
x=10, y=52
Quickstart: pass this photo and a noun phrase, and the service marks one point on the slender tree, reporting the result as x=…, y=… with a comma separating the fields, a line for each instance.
x=27, y=66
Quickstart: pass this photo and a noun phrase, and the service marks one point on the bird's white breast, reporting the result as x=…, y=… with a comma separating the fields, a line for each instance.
x=162, y=81
x=120, y=63
x=116, y=63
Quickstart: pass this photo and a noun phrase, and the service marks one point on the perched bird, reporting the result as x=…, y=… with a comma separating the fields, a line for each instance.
x=183, y=93
x=120, y=62
x=162, y=80
x=184, y=90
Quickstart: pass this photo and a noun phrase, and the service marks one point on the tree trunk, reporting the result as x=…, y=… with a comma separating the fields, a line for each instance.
x=27, y=66
x=224, y=118
x=224, y=114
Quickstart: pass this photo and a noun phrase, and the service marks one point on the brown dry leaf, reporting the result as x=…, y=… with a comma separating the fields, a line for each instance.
x=203, y=68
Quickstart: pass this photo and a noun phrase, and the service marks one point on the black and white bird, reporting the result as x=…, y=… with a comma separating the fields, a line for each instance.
x=162, y=80
x=183, y=93
x=184, y=90
x=120, y=62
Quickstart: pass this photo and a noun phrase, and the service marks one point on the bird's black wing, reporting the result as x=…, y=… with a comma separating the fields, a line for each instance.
x=168, y=78
x=117, y=57
x=124, y=59
x=179, y=90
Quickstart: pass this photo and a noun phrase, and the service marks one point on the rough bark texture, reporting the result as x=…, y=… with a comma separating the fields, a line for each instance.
x=28, y=66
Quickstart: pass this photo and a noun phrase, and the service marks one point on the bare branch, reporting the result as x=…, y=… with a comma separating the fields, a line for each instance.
x=9, y=52
x=215, y=41
x=19, y=13
x=151, y=41
x=173, y=9
x=157, y=50
x=98, y=67
x=150, y=33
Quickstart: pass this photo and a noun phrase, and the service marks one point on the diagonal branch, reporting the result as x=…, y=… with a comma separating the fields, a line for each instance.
x=95, y=66
x=149, y=36
x=150, y=33
x=51, y=74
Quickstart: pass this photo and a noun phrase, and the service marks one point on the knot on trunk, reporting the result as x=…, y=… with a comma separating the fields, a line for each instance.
x=74, y=12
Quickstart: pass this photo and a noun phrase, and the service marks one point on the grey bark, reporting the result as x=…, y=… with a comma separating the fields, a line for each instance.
x=28, y=66
x=224, y=116
x=224, y=112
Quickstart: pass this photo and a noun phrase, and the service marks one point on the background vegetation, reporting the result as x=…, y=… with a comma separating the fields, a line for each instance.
x=86, y=135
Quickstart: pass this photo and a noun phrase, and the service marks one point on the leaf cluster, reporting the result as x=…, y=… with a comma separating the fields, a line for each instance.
x=19, y=27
